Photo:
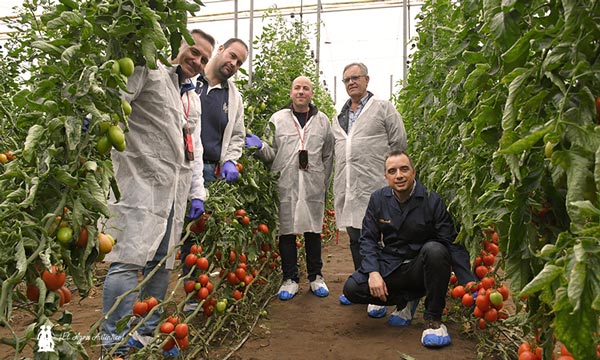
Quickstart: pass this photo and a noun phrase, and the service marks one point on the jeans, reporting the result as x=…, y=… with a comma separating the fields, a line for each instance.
x=428, y=274
x=354, y=235
x=123, y=277
x=289, y=256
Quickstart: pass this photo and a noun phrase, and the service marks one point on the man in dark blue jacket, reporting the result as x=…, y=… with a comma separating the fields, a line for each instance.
x=408, y=252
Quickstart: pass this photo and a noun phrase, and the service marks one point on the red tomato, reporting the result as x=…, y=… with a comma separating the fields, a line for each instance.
x=487, y=282
x=458, y=291
x=140, y=308
x=183, y=343
x=32, y=293
x=54, y=279
x=237, y=294
x=467, y=300
x=173, y=320
x=203, y=279
x=245, y=220
x=453, y=279
x=67, y=294
x=151, y=301
x=190, y=260
x=495, y=238
x=169, y=344
x=202, y=293
x=491, y=315
x=504, y=291
x=489, y=259
x=482, y=324
x=481, y=271
x=196, y=249
x=240, y=213
x=483, y=303
x=232, y=278
x=202, y=263
x=166, y=327
x=492, y=248
x=243, y=258
x=263, y=228
x=525, y=346
x=240, y=273
x=189, y=286
x=527, y=355
x=248, y=279
x=232, y=257
x=181, y=331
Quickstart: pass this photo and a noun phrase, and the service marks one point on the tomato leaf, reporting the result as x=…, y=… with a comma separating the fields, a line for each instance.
x=34, y=136
x=542, y=280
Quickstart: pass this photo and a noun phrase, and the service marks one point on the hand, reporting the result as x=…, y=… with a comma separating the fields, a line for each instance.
x=377, y=286
x=196, y=209
x=229, y=171
x=253, y=141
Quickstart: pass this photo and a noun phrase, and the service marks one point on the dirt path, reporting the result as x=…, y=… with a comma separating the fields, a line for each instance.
x=308, y=327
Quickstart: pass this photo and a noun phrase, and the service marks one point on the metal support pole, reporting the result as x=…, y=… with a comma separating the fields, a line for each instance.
x=251, y=37
x=318, y=57
x=235, y=18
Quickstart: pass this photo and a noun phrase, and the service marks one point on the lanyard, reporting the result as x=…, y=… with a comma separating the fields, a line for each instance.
x=186, y=111
x=303, y=134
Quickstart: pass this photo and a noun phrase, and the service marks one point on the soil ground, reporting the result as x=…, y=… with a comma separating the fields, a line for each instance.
x=306, y=327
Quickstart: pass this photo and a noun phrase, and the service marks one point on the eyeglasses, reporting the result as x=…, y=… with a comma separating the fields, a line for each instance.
x=353, y=78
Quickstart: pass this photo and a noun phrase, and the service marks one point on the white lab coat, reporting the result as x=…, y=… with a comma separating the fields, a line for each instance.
x=301, y=193
x=152, y=173
x=360, y=159
x=235, y=133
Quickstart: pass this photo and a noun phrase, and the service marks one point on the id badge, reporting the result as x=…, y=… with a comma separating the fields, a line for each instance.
x=188, y=144
x=303, y=159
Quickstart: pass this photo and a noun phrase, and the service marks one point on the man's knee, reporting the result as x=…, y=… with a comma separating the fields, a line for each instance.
x=435, y=251
x=352, y=290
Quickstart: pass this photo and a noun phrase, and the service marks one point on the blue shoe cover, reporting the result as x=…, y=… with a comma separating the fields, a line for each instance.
x=404, y=317
x=436, y=337
x=344, y=300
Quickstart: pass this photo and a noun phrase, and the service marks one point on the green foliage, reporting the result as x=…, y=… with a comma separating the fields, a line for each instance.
x=491, y=84
x=283, y=53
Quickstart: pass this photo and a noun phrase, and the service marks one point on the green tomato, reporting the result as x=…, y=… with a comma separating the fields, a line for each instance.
x=197, y=286
x=126, y=107
x=496, y=298
x=251, y=108
x=64, y=235
x=116, y=135
x=126, y=66
x=103, y=145
x=221, y=306
x=115, y=68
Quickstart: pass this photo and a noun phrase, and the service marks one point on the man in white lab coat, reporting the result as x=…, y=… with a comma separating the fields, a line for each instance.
x=156, y=176
x=302, y=152
x=365, y=130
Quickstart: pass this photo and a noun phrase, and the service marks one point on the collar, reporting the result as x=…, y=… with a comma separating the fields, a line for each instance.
x=312, y=109
x=202, y=80
x=185, y=85
x=362, y=102
x=418, y=191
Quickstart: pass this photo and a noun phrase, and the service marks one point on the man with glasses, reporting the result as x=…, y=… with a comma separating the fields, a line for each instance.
x=302, y=152
x=365, y=130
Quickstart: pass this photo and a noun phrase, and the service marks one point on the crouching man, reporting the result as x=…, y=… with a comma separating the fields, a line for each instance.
x=406, y=242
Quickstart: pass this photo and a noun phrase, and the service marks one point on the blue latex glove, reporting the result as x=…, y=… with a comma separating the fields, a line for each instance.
x=230, y=172
x=196, y=209
x=253, y=140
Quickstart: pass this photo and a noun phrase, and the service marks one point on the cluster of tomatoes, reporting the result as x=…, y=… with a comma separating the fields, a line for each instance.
x=141, y=307
x=177, y=333
x=484, y=297
x=54, y=280
x=6, y=157
x=528, y=352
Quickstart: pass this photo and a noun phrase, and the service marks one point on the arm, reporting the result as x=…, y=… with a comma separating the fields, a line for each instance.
x=197, y=190
x=328, y=154
x=369, y=249
x=238, y=133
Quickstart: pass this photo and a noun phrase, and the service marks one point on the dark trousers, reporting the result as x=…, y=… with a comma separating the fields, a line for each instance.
x=428, y=274
x=354, y=235
x=289, y=256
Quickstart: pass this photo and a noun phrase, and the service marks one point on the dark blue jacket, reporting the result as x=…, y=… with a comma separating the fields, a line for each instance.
x=391, y=236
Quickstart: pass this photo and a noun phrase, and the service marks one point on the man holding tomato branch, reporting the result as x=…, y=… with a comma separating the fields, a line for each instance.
x=406, y=244
x=158, y=171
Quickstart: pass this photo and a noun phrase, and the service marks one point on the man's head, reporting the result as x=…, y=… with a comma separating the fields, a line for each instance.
x=301, y=93
x=400, y=172
x=356, y=79
x=193, y=58
x=229, y=58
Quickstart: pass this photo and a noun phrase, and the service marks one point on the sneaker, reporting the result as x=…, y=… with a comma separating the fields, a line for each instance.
x=404, y=317
x=376, y=311
x=344, y=300
x=318, y=287
x=288, y=290
x=139, y=341
x=436, y=335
